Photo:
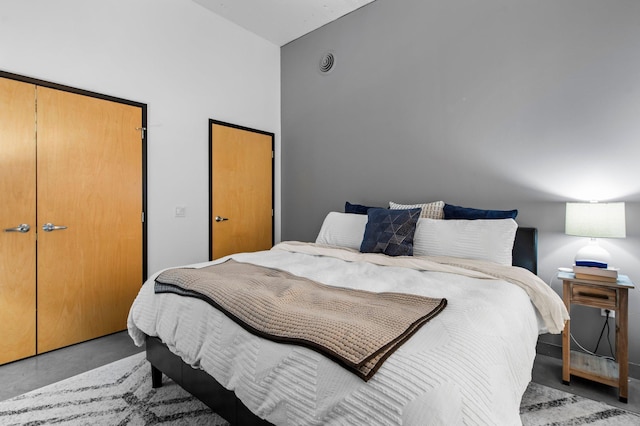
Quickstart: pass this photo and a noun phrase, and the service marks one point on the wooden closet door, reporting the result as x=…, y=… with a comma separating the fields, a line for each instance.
x=17, y=206
x=241, y=180
x=89, y=181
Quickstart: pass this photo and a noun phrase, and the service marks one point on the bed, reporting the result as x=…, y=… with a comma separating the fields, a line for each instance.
x=470, y=364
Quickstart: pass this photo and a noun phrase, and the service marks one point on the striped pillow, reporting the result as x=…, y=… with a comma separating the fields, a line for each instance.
x=434, y=210
x=484, y=239
x=343, y=230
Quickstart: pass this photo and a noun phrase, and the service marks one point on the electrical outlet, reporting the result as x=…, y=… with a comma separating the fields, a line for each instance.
x=181, y=211
x=612, y=314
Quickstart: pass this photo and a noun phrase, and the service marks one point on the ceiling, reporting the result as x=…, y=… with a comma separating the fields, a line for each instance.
x=281, y=21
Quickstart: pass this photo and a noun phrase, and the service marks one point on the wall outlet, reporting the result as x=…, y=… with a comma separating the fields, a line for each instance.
x=612, y=314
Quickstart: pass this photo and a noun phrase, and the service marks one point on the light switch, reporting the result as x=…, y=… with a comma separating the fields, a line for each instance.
x=181, y=211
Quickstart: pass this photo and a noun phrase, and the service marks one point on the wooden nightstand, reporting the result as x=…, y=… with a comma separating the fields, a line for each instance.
x=612, y=296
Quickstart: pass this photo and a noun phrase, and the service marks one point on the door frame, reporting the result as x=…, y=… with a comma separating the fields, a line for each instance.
x=262, y=132
x=43, y=83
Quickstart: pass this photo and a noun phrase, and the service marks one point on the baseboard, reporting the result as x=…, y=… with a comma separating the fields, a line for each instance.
x=555, y=351
x=548, y=349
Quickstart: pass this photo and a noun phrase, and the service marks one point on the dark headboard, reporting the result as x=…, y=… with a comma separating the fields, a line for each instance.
x=525, y=249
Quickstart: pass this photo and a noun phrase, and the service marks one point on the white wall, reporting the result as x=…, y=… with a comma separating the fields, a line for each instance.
x=186, y=63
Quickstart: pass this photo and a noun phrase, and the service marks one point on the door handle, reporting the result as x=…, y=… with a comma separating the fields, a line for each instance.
x=23, y=227
x=221, y=219
x=48, y=227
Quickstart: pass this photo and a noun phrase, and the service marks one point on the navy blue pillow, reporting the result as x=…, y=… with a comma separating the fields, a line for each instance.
x=457, y=212
x=356, y=208
x=390, y=231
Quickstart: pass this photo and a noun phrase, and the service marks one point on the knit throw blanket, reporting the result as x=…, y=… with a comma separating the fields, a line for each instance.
x=356, y=328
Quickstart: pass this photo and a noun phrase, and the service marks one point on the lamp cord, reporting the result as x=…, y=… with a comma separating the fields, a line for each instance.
x=606, y=325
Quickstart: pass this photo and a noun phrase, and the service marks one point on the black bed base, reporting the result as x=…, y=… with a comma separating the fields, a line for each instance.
x=224, y=402
x=198, y=383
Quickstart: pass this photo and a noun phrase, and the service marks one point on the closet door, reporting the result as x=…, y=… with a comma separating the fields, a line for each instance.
x=89, y=207
x=241, y=183
x=17, y=207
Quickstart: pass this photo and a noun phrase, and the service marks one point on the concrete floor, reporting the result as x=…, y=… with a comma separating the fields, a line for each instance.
x=23, y=376
x=32, y=373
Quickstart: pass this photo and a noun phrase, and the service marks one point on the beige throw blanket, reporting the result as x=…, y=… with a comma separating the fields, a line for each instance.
x=356, y=328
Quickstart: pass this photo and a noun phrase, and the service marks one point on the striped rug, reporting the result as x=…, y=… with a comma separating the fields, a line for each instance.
x=120, y=393
x=542, y=405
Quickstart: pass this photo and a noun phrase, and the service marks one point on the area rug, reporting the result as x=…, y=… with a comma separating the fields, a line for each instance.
x=120, y=393
x=542, y=405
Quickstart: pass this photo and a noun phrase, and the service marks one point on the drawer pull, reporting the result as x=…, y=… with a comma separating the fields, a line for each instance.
x=594, y=295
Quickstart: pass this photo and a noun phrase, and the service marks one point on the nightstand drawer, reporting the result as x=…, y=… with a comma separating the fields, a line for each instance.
x=593, y=295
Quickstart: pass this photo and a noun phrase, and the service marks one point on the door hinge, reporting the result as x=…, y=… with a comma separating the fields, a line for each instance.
x=142, y=218
x=273, y=154
x=142, y=130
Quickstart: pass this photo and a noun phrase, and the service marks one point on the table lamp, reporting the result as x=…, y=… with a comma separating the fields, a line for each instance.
x=595, y=220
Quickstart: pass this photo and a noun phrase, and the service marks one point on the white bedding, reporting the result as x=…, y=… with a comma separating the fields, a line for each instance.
x=468, y=365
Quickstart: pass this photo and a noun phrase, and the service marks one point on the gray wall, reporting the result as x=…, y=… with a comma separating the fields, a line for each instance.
x=507, y=104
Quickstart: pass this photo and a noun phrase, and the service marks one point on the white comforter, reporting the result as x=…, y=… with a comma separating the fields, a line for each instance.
x=469, y=365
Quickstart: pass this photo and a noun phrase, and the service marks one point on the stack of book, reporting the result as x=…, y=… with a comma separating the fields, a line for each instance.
x=609, y=275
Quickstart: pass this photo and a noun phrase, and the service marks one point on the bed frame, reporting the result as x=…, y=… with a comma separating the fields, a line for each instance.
x=224, y=402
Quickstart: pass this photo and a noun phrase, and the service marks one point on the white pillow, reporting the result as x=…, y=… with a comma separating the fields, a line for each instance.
x=343, y=229
x=485, y=239
x=434, y=210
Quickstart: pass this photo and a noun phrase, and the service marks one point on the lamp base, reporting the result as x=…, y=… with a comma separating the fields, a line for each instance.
x=593, y=255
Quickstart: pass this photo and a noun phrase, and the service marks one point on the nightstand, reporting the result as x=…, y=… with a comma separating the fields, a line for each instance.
x=604, y=295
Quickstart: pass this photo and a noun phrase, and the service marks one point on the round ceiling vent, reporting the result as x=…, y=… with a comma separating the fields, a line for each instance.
x=327, y=61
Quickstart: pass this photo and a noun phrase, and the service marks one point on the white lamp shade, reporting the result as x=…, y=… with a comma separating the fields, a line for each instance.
x=596, y=220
